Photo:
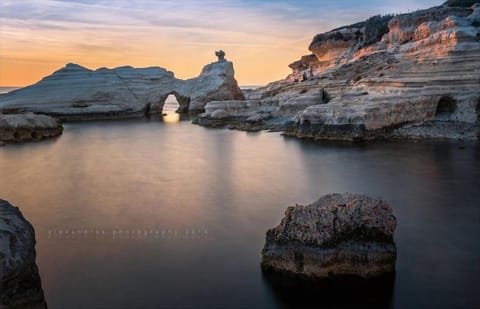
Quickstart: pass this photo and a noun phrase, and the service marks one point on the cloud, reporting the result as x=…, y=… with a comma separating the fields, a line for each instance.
x=178, y=34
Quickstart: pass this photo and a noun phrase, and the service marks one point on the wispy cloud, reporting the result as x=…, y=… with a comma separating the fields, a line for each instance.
x=180, y=35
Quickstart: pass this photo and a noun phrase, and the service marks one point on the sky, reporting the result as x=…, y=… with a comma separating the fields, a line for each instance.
x=261, y=37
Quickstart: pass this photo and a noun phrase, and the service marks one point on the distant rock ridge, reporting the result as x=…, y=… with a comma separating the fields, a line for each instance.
x=75, y=92
x=413, y=75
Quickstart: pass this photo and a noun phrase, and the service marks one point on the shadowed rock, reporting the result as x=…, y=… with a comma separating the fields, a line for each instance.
x=20, y=285
x=338, y=235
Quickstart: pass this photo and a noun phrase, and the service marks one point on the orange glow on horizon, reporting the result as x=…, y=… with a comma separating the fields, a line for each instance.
x=257, y=69
x=33, y=49
x=261, y=38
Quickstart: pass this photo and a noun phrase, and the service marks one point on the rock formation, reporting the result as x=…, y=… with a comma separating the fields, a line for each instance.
x=338, y=235
x=77, y=93
x=20, y=285
x=221, y=55
x=28, y=127
x=414, y=75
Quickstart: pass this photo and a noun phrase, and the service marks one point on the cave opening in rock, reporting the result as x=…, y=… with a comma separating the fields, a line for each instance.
x=306, y=122
x=446, y=106
x=477, y=108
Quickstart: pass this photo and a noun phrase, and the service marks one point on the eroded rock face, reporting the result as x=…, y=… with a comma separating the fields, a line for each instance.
x=20, y=285
x=338, y=235
x=77, y=93
x=368, y=80
x=28, y=127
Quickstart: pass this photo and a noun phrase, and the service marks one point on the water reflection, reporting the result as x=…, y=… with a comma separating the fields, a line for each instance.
x=145, y=186
x=171, y=118
x=293, y=292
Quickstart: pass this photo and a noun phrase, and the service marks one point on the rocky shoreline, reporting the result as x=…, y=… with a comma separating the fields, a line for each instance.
x=409, y=76
x=412, y=76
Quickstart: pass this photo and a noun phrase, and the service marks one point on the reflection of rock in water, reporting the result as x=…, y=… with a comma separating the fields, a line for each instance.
x=293, y=292
x=20, y=284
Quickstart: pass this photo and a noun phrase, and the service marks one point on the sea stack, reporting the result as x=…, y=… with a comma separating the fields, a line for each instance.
x=20, y=284
x=339, y=235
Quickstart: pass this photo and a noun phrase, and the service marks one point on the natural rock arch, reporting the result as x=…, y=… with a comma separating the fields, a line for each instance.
x=183, y=102
x=130, y=92
x=446, y=106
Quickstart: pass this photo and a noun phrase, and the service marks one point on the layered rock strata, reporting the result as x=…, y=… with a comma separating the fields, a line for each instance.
x=77, y=93
x=339, y=235
x=414, y=75
x=28, y=127
x=20, y=285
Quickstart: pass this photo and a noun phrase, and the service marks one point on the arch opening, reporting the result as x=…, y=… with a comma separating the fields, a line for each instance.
x=445, y=107
x=175, y=102
x=170, y=109
x=171, y=105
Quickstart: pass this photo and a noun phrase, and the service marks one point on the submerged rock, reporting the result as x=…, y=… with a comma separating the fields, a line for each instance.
x=20, y=284
x=26, y=127
x=338, y=235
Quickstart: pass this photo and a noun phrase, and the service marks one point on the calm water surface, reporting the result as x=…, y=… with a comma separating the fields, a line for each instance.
x=145, y=214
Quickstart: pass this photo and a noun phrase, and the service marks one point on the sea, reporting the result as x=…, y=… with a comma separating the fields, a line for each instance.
x=7, y=89
x=161, y=213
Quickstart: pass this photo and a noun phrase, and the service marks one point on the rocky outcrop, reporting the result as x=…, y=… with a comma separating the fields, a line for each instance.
x=20, y=285
x=77, y=93
x=28, y=127
x=414, y=75
x=338, y=235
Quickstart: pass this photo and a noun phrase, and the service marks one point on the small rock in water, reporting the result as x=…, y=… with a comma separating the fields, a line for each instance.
x=338, y=235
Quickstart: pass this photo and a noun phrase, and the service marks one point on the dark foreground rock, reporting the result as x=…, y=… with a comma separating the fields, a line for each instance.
x=340, y=235
x=28, y=127
x=20, y=285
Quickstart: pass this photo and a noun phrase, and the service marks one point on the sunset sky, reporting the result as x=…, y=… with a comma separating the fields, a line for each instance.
x=260, y=37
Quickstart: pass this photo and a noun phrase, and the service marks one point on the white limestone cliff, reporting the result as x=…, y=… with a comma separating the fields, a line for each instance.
x=414, y=75
x=75, y=92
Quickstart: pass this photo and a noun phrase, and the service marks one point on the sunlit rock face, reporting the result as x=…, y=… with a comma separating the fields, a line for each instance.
x=75, y=92
x=386, y=77
x=338, y=235
x=20, y=285
x=28, y=127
